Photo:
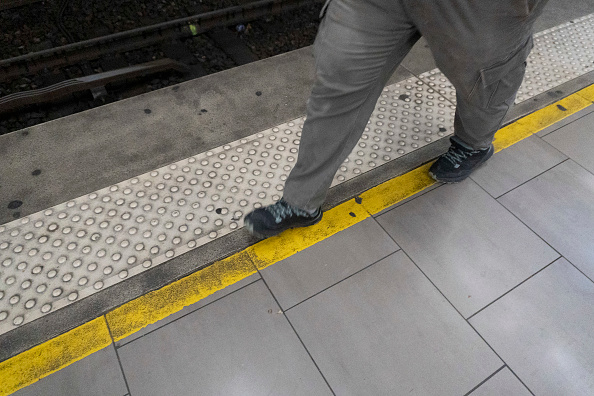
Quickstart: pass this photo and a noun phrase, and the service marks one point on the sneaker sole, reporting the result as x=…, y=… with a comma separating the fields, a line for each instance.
x=250, y=227
x=462, y=178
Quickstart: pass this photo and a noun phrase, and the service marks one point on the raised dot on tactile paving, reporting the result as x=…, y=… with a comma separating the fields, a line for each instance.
x=18, y=320
x=83, y=281
x=98, y=285
x=52, y=274
x=92, y=267
x=154, y=250
x=57, y=292
x=30, y=303
x=3, y=315
x=10, y=280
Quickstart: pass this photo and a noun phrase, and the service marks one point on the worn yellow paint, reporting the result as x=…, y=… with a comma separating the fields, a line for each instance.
x=587, y=93
x=395, y=190
x=40, y=361
x=275, y=249
x=539, y=120
x=51, y=356
x=156, y=305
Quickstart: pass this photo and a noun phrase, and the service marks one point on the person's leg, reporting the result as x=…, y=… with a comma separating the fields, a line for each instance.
x=481, y=46
x=358, y=46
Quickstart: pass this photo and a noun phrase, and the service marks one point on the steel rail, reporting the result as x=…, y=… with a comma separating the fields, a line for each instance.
x=141, y=37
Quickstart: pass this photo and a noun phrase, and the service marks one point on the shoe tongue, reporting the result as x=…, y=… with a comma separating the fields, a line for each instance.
x=461, y=145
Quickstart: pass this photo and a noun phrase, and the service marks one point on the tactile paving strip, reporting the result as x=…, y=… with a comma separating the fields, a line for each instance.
x=55, y=257
x=560, y=54
x=58, y=256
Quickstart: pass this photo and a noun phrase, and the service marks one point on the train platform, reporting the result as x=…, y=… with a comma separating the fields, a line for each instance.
x=125, y=268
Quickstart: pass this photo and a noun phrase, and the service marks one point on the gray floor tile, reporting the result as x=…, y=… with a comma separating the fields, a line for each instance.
x=328, y=262
x=559, y=206
x=566, y=121
x=238, y=345
x=467, y=244
x=388, y=331
x=189, y=309
x=576, y=140
x=98, y=374
x=543, y=331
x=516, y=165
x=504, y=383
x=425, y=191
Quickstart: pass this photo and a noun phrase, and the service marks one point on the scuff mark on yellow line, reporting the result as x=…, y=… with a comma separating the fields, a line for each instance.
x=539, y=120
x=156, y=305
x=395, y=190
x=42, y=360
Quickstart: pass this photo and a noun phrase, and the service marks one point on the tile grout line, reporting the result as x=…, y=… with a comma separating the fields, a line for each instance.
x=563, y=126
x=493, y=349
x=575, y=266
x=456, y=309
x=520, y=185
x=411, y=198
x=117, y=356
x=485, y=380
x=183, y=316
x=526, y=182
x=514, y=288
x=520, y=220
x=581, y=166
x=340, y=281
x=298, y=336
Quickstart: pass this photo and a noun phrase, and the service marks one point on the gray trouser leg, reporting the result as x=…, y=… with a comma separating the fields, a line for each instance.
x=480, y=45
x=358, y=46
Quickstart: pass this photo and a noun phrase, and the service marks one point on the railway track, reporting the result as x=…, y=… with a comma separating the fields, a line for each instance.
x=142, y=37
x=163, y=39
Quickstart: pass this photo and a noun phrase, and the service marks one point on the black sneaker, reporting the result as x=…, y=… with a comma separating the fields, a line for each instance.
x=458, y=163
x=276, y=218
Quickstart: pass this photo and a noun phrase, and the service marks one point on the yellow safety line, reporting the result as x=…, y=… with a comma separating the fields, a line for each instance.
x=42, y=360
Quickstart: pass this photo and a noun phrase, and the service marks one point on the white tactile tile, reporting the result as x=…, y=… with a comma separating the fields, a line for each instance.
x=60, y=255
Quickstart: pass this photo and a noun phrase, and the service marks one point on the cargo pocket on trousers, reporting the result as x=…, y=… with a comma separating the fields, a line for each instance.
x=498, y=83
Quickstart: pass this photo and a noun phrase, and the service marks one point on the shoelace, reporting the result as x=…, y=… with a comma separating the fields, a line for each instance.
x=457, y=154
x=281, y=210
